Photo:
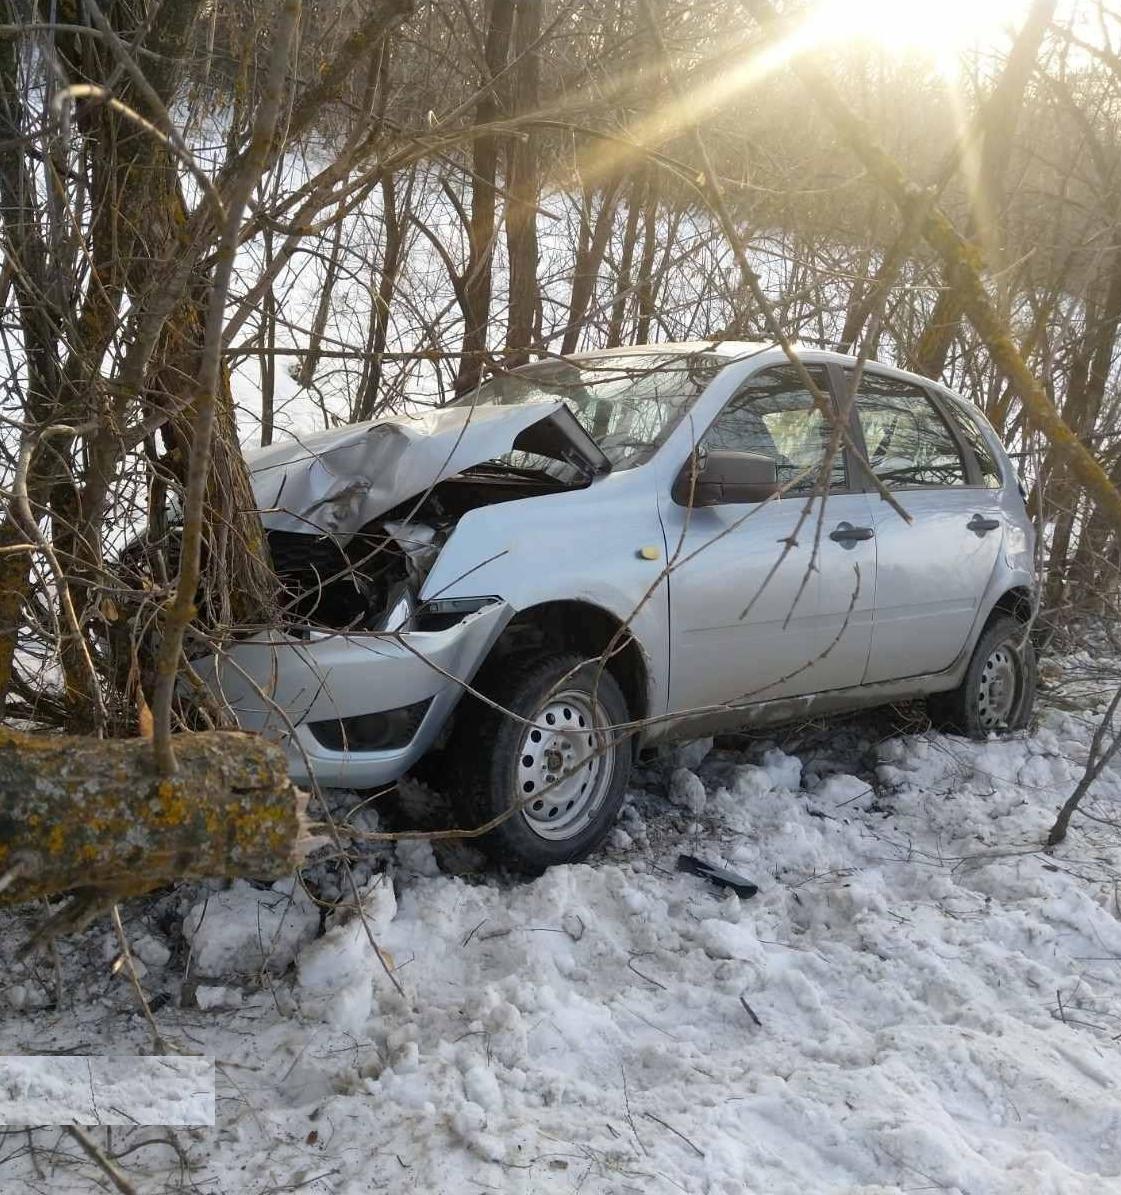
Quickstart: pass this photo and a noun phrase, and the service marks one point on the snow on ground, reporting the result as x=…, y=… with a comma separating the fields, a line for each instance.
x=918, y=998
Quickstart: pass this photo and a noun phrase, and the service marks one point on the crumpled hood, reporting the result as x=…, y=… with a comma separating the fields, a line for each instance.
x=334, y=482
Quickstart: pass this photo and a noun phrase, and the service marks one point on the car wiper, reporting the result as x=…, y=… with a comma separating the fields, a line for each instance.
x=505, y=467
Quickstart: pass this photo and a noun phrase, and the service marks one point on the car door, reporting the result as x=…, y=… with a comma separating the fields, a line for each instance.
x=932, y=573
x=748, y=622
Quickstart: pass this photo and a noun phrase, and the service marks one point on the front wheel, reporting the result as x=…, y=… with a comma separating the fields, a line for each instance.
x=998, y=690
x=557, y=770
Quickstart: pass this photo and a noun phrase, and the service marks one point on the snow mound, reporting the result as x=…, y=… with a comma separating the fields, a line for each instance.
x=840, y=790
x=687, y=790
x=336, y=973
x=692, y=754
x=246, y=930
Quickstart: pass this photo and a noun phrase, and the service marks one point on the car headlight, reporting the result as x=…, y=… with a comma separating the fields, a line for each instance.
x=438, y=613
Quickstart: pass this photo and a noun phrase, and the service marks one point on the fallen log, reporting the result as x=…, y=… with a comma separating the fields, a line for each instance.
x=92, y=815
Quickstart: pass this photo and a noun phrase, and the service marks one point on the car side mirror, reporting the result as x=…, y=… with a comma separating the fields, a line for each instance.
x=718, y=475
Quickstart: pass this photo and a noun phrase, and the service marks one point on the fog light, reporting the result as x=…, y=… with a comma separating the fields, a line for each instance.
x=386, y=730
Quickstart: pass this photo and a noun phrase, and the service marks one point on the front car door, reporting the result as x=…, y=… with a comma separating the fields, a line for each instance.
x=748, y=622
x=931, y=573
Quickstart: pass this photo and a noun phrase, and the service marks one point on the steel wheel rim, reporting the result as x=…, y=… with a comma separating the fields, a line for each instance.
x=999, y=688
x=564, y=768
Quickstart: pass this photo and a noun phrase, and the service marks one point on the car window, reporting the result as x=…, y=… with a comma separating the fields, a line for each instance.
x=774, y=415
x=909, y=443
x=971, y=429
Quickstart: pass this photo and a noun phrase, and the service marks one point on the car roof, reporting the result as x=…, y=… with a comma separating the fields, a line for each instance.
x=734, y=350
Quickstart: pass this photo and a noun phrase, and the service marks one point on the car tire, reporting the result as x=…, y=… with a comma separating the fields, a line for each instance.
x=997, y=693
x=497, y=764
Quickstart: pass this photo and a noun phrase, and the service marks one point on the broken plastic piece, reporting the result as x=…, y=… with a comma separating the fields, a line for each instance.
x=718, y=875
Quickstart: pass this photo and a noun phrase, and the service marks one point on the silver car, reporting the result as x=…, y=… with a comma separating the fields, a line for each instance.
x=593, y=554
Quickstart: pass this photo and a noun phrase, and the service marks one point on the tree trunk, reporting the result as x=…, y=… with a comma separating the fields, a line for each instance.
x=306, y=373
x=480, y=265
x=523, y=189
x=626, y=263
x=89, y=814
x=24, y=243
x=645, y=280
x=588, y=261
x=268, y=353
x=365, y=402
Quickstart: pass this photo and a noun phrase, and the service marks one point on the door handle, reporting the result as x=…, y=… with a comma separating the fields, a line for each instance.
x=980, y=524
x=847, y=534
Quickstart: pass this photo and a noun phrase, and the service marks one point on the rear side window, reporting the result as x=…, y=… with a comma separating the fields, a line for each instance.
x=774, y=415
x=971, y=429
x=909, y=443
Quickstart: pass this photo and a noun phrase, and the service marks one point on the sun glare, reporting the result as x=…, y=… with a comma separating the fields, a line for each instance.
x=940, y=30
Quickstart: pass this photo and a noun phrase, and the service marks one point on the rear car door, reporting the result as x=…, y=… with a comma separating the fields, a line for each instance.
x=932, y=573
x=746, y=623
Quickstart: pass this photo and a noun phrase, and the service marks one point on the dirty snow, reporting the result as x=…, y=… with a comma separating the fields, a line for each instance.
x=918, y=998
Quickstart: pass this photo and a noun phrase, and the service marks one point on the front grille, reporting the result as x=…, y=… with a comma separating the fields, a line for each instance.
x=317, y=581
x=295, y=555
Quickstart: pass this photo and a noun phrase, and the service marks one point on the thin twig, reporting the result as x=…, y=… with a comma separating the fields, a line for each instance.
x=97, y=1155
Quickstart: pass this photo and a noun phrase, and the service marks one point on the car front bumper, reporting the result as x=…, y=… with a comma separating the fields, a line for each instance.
x=277, y=684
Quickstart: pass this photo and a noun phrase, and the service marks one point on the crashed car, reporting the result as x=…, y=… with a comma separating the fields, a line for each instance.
x=589, y=555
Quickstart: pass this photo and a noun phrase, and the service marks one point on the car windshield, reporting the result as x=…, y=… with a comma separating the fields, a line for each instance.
x=627, y=403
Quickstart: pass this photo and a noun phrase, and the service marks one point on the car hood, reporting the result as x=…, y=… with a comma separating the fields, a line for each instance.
x=334, y=482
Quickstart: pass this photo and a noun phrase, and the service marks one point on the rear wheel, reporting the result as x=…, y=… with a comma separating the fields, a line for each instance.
x=998, y=690
x=557, y=769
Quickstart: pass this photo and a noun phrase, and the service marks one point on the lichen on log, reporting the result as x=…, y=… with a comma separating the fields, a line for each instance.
x=79, y=812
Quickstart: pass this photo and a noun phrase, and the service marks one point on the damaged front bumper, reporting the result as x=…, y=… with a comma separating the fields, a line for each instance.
x=331, y=695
